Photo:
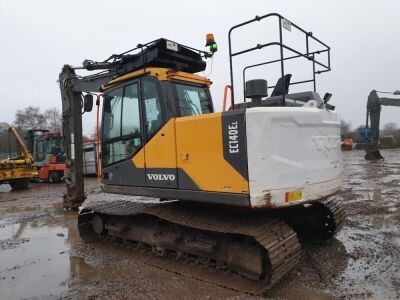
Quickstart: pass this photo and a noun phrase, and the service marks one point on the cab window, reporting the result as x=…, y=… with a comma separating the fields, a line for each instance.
x=54, y=146
x=40, y=150
x=112, y=114
x=152, y=106
x=192, y=100
x=121, y=124
x=130, y=111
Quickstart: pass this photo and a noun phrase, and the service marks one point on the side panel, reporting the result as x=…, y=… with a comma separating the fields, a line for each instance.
x=152, y=166
x=200, y=154
x=160, y=158
x=294, y=155
x=234, y=140
x=44, y=173
x=126, y=173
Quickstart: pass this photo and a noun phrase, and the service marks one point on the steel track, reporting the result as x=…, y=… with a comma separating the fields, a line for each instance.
x=278, y=242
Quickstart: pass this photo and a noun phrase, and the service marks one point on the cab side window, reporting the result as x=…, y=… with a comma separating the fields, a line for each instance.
x=152, y=106
x=192, y=100
x=112, y=114
x=40, y=151
x=130, y=111
x=121, y=124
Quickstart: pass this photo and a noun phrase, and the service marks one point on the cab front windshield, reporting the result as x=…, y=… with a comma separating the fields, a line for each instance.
x=54, y=146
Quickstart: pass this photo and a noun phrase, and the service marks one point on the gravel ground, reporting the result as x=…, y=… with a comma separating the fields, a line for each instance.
x=43, y=257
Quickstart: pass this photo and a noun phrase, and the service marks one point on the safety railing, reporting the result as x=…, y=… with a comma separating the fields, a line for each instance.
x=309, y=55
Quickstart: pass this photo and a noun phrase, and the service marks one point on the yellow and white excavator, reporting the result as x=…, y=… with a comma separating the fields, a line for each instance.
x=228, y=190
x=19, y=171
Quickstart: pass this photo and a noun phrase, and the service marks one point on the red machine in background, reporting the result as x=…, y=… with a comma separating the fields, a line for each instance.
x=47, y=149
x=347, y=144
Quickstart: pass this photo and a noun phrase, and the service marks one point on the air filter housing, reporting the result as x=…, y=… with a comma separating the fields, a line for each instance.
x=256, y=89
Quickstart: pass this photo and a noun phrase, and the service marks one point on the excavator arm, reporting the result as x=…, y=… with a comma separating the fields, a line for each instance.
x=74, y=105
x=25, y=154
x=374, y=106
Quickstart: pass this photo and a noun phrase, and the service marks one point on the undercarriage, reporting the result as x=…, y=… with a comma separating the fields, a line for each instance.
x=245, y=251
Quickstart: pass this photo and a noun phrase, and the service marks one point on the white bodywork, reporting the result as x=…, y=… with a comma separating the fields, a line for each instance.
x=292, y=151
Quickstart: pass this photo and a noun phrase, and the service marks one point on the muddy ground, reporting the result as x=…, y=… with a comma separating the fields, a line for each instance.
x=43, y=257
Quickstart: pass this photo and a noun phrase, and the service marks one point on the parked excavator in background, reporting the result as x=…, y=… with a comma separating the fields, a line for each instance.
x=374, y=106
x=229, y=191
x=19, y=171
x=47, y=149
x=362, y=134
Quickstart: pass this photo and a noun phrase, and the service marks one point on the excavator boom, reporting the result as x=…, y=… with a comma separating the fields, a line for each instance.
x=24, y=150
x=374, y=107
x=72, y=87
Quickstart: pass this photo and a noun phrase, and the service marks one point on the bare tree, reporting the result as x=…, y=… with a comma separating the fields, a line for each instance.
x=30, y=118
x=345, y=127
x=389, y=128
x=397, y=136
x=53, y=119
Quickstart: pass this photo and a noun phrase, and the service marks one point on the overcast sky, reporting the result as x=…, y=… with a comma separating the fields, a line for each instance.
x=39, y=37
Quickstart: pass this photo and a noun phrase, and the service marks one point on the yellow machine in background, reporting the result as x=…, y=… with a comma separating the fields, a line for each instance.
x=18, y=171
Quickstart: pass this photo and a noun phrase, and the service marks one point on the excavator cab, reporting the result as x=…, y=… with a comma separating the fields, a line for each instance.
x=139, y=126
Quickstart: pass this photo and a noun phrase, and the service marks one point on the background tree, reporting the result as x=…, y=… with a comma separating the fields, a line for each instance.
x=345, y=127
x=3, y=140
x=30, y=118
x=53, y=119
x=8, y=144
x=389, y=129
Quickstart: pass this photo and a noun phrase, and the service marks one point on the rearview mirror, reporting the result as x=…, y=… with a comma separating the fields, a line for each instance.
x=327, y=97
x=88, y=102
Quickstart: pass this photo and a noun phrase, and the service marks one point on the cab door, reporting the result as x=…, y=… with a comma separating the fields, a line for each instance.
x=160, y=148
x=122, y=137
x=40, y=152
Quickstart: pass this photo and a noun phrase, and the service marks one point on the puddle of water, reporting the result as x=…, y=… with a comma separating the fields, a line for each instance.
x=34, y=268
x=5, y=188
x=40, y=265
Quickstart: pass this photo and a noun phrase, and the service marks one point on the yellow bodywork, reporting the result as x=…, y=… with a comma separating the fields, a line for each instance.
x=161, y=74
x=160, y=151
x=193, y=144
x=18, y=168
x=200, y=154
